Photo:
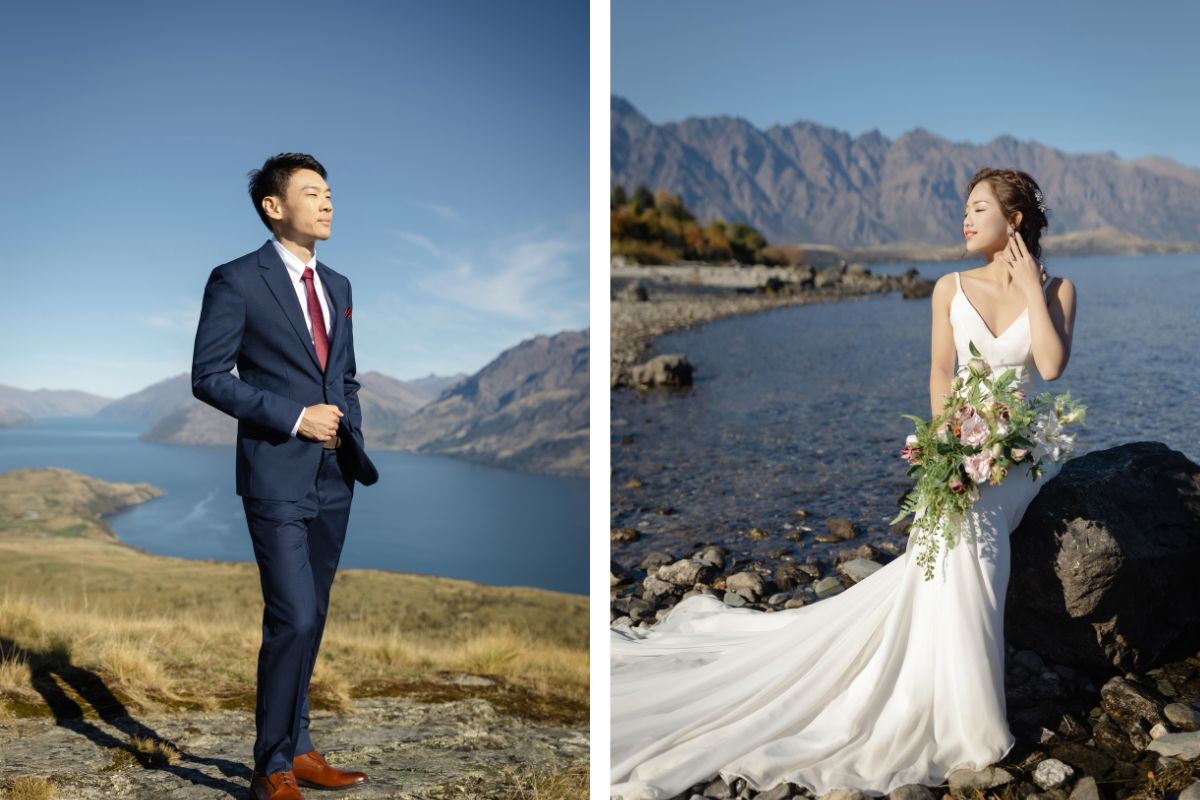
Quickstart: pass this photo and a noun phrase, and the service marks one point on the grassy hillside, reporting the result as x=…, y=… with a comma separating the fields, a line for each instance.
x=168, y=633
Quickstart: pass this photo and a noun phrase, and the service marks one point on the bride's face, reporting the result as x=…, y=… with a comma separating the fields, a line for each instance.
x=985, y=230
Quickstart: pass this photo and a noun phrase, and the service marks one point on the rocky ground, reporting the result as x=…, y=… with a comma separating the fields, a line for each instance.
x=458, y=749
x=649, y=301
x=1086, y=546
x=1136, y=735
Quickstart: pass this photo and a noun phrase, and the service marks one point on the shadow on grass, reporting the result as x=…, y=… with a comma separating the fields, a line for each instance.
x=50, y=666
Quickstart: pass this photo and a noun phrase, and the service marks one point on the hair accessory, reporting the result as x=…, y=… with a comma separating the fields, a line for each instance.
x=1037, y=197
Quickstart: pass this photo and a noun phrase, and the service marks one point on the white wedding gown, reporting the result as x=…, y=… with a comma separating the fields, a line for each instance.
x=896, y=680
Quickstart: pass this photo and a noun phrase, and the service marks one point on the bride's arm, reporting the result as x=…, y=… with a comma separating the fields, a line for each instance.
x=942, y=355
x=1051, y=324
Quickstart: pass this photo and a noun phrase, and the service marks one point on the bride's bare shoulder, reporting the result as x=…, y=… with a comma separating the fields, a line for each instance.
x=943, y=289
x=1061, y=287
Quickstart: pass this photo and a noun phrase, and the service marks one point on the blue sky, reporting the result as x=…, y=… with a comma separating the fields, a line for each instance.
x=455, y=135
x=1083, y=77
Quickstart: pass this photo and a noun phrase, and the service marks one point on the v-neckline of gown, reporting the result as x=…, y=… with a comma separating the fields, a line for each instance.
x=958, y=282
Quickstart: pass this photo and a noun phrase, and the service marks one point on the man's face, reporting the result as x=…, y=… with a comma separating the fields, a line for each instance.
x=306, y=211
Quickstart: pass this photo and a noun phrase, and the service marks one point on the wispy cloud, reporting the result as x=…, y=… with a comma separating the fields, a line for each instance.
x=528, y=278
x=180, y=320
x=445, y=212
x=421, y=241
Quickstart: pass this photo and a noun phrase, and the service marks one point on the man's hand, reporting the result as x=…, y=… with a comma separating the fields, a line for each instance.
x=320, y=422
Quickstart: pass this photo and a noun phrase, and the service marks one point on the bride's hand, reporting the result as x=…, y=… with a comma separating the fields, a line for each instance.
x=1023, y=268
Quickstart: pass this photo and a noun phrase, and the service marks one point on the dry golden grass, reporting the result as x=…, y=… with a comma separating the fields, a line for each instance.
x=16, y=678
x=569, y=783
x=30, y=789
x=154, y=752
x=165, y=633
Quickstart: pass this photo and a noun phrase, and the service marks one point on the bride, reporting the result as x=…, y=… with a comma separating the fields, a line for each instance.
x=897, y=680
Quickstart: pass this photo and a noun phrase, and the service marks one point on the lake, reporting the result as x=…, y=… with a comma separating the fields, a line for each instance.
x=427, y=514
x=799, y=407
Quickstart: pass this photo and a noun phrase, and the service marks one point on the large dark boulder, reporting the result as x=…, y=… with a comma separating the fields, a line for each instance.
x=1106, y=562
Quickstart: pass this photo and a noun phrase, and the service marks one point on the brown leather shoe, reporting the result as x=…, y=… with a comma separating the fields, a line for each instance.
x=276, y=786
x=312, y=769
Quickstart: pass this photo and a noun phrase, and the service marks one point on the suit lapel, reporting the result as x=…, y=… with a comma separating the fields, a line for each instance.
x=279, y=281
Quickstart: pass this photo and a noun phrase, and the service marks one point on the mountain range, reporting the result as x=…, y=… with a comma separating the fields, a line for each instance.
x=526, y=410
x=805, y=182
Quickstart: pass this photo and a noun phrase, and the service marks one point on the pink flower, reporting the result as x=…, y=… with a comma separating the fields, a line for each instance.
x=974, y=430
x=1018, y=453
x=978, y=467
x=910, y=454
x=956, y=486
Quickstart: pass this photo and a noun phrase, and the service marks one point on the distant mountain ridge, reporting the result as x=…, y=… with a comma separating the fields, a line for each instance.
x=804, y=182
x=526, y=410
x=52, y=402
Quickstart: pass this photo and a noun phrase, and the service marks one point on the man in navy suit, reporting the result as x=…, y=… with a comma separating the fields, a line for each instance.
x=284, y=320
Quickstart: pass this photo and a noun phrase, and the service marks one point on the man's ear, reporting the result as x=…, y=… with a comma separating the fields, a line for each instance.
x=272, y=207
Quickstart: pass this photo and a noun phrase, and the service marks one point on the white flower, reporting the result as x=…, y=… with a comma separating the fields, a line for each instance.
x=978, y=467
x=974, y=430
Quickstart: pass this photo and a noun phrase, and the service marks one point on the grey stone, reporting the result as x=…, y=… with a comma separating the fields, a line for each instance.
x=687, y=572
x=1192, y=792
x=1078, y=591
x=719, y=790
x=986, y=778
x=1181, y=745
x=1085, y=789
x=747, y=584
x=782, y=791
x=842, y=794
x=654, y=588
x=734, y=599
x=911, y=791
x=1132, y=707
x=671, y=369
x=827, y=587
x=860, y=568
x=1052, y=774
x=1182, y=716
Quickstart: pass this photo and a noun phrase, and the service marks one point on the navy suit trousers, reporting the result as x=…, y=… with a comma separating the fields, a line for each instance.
x=297, y=544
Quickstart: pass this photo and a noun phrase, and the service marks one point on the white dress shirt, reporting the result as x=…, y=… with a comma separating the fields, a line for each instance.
x=295, y=268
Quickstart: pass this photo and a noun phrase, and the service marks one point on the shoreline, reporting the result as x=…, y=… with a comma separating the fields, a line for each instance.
x=647, y=302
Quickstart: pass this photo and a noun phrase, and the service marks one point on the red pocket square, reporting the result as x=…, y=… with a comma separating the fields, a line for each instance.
x=347, y=312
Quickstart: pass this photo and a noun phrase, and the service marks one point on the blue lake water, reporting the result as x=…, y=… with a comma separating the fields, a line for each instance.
x=799, y=407
x=427, y=514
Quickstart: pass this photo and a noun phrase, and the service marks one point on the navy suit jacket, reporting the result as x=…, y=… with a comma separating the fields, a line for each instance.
x=251, y=318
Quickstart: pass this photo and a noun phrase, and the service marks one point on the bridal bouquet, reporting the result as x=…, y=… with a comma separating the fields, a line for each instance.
x=986, y=427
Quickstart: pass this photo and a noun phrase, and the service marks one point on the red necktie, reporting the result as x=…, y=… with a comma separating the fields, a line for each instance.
x=320, y=340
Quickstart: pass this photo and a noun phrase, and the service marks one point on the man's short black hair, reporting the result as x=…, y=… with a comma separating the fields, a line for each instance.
x=272, y=179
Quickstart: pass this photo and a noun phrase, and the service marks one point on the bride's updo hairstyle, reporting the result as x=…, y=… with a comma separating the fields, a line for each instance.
x=1017, y=191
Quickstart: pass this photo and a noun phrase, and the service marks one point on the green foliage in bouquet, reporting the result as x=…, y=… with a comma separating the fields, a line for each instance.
x=986, y=427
